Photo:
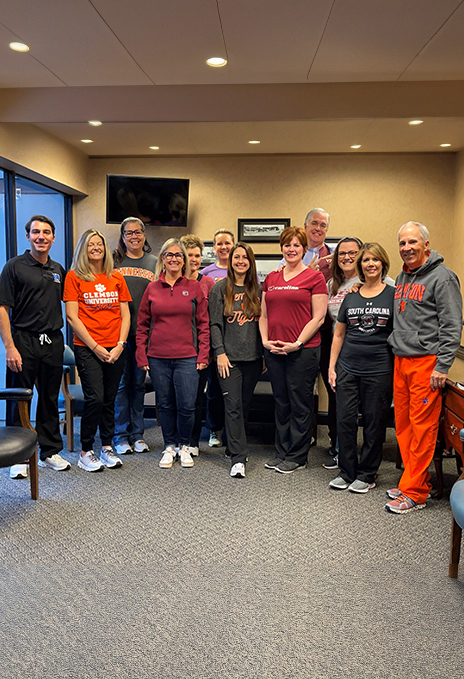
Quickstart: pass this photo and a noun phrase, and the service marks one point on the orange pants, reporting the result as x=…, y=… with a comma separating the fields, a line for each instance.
x=417, y=411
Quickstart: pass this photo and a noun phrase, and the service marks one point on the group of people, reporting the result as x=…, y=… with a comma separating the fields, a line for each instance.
x=326, y=308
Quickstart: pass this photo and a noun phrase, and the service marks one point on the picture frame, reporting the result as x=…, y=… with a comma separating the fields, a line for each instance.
x=261, y=230
x=265, y=264
x=208, y=256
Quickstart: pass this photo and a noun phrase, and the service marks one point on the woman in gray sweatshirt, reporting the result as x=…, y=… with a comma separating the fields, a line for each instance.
x=234, y=308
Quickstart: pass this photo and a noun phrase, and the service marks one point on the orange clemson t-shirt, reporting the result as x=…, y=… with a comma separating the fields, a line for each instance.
x=99, y=308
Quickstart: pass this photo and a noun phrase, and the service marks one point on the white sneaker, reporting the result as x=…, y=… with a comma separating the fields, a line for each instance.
x=109, y=459
x=89, y=463
x=123, y=449
x=18, y=471
x=214, y=440
x=55, y=462
x=169, y=455
x=194, y=451
x=238, y=470
x=185, y=457
x=140, y=446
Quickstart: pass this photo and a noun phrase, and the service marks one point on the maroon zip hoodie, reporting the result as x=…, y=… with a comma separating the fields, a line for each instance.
x=178, y=318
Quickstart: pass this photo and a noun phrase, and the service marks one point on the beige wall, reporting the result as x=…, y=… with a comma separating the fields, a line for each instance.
x=36, y=154
x=368, y=196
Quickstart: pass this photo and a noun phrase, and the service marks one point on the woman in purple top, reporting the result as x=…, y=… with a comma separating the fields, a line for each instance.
x=293, y=309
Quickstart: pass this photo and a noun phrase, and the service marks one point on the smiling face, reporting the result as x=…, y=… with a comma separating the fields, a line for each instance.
x=240, y=262
x=95, y=251
x=194, y=255
x=371, y=267
x=293, y=252
x=173, y=261
x=413, y=250
x=316, y=229
x=134, y=239
x=223, y=244
x=347, y=253
x=41, y=239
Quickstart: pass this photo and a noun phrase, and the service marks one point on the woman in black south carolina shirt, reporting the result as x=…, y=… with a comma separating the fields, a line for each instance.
x=361, y=370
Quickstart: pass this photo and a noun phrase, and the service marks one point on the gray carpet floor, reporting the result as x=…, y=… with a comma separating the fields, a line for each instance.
x=187, y=573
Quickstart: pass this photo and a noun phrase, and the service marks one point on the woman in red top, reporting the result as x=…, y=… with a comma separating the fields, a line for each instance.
x=97, y=308
x=293, y=308
x=173, y=342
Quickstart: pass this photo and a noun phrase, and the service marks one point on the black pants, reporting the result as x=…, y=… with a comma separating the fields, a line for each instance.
x=326, y=345
x=42, y=362
x=100, y=383
x=292, y=379
x=201, y=398
x=237, y=390
x=370, y=395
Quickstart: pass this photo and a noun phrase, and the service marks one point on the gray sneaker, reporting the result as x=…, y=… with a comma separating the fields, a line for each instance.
x=109, y=459
x=339, y=484
x=55, y=462
x=287, y=467
x=361, y=486
x=272, y=464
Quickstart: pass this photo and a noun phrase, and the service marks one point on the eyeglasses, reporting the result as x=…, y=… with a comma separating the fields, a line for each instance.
x=351, y=254
x=173, y=255
x=128, y=234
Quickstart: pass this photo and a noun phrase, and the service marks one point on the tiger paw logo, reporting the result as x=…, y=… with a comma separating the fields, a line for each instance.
x=100, y=288
x=402, y=306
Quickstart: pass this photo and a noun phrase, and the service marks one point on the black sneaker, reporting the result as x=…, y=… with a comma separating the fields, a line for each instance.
x=331, y=463
x=287, y=467
x=272, y=464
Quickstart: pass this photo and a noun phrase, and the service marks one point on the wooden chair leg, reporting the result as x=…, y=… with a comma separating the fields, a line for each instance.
x=34, y=474
x=69, y=426
x=456, y=533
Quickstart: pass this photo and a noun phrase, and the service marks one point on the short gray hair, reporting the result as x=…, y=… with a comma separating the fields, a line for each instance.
x=317, y=209
x=424, y=232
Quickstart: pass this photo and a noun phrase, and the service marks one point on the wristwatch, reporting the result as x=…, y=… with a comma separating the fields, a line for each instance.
x=124, y=344
x=300, y=344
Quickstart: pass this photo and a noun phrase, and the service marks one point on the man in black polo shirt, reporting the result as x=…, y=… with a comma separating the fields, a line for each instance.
x=31, y=290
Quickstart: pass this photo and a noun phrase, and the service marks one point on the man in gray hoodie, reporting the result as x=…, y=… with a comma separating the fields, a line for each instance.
x=426, y=335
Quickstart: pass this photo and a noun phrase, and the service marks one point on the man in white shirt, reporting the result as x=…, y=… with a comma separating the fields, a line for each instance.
x=318, y=254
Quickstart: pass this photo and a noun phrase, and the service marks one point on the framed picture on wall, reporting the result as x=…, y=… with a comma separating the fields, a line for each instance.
x=261, y=230
x=265, y=264
x=208, y=256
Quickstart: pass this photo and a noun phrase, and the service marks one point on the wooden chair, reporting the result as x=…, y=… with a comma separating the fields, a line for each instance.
x=18, y=445
x=449, y=443
x=457, y=523
x=73, y=396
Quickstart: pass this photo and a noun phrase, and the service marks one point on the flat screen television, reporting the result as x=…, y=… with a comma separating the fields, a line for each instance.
x=156, y=201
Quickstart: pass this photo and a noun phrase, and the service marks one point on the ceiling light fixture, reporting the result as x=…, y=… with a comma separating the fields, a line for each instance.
x=445, y=145
x=254, y=141
x=415, y=122
x=356, y=146
x=95, y=123
x=154, y=148
x=19, y=47
x=87, y=141
x=216, y=62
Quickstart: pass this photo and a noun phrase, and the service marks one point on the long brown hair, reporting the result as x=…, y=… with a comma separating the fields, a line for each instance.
x=338, y=277
x=251, y=302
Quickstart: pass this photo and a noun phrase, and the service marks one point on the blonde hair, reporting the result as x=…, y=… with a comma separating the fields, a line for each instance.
x=190, y=240
x=379, y=252
x=164, y=248
x=80, y=262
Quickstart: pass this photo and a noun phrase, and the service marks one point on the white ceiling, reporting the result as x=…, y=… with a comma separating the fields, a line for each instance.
x=337, y=72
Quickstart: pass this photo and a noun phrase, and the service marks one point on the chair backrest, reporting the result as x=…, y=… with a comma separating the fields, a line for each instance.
x=68, y=356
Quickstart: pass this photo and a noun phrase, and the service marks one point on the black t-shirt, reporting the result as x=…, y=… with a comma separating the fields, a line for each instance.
x=369, y=322
x=34, y=292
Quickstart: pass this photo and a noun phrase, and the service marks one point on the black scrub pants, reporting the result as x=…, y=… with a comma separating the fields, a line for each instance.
x=42, y=356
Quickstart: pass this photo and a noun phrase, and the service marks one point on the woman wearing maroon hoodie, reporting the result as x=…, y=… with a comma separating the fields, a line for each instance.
x=175, y=308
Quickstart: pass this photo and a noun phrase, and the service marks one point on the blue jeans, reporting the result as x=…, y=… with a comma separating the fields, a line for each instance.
x=128, y=407
x=175, y=381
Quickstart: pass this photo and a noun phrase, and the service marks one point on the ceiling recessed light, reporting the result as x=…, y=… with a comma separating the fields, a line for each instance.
x=254, y=141
x=415, y=122
x=87, y=141
x=356, y=146
x=19, y=47
x=95, y=123
x=154, y=148
x=216, y=62
x=445, y=145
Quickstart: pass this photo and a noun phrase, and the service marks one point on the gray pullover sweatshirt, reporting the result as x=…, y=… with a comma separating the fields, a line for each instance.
x=428, y=313
x=236, y=335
